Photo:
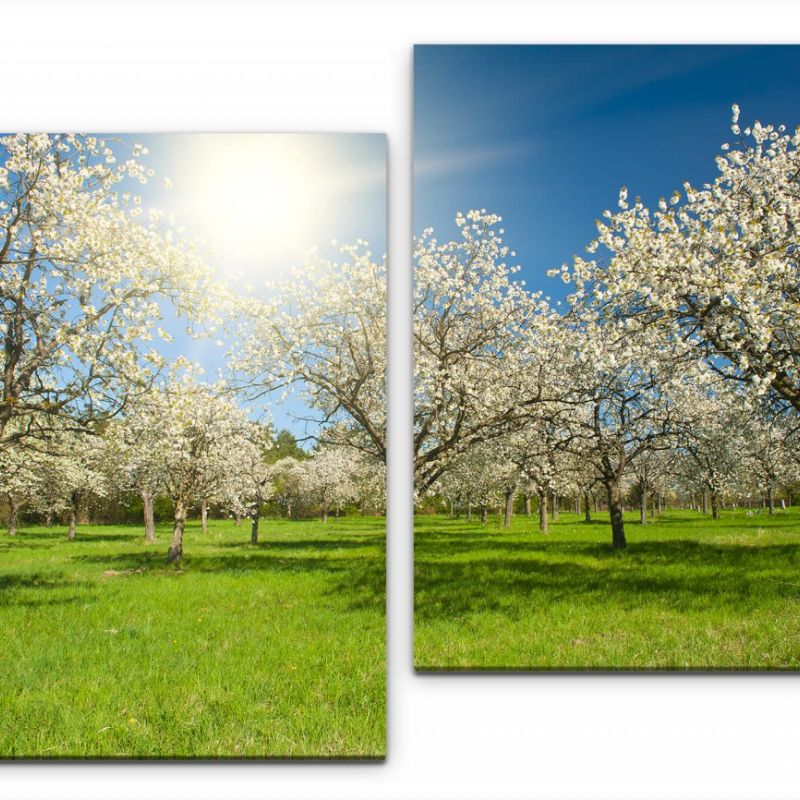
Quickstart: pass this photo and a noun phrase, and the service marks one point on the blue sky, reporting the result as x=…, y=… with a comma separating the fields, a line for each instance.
x=546, y=135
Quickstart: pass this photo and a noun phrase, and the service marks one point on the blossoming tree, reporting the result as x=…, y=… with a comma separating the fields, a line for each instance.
x=82, y=272
x=715, y=266
x=326, y=338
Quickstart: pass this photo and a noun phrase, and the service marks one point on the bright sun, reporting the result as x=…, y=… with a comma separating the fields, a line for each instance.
x=262, y=201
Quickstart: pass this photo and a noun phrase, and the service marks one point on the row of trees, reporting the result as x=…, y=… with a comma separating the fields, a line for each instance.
x=673, y=368
x=189, y=443
x=705, y=463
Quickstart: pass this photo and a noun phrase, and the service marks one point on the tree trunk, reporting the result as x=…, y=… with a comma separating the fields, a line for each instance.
x=652, y=506
x=204, y=515
x=705, y=501
x=509, y=508
x=555, y=507
x=13, y=515
x=325, y=515
x=587, y=513
x=149, y=517
x=527, y=504
x=618, y=540
x=254, y=526
x=642, y=505
x=484, y=514
x=596, y=505
x=714, y=505
x=73, y=516
x=543, y=512
x=771, y=500
x=175, y=552
x=469, y=512
x=237, y=519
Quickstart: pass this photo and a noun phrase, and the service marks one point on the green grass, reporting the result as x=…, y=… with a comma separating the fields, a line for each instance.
x=688, y=593
x=273, y=650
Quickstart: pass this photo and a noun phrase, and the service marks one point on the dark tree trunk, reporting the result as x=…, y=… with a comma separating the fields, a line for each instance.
x=73, y=516
x=484, y=514
x=13, y=515
x=175, y=552
x=714, y=505
x=527, y=504
x=618, y=540
x=254, y=526
x=543, y=512
x=509, y=508
x=587, y=513
x=149, y=517
x=705, y=501
x=771, y=500
x=204, y=515
x=642, y=505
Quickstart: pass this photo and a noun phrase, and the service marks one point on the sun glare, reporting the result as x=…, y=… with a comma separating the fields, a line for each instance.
x=261, y=201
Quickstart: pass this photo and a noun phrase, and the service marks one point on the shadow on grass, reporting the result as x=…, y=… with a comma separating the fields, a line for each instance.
x=459, y=574
x=36, y=589
x=352, y=563
x=355, y=542
x=38, y=539
x=360, y=578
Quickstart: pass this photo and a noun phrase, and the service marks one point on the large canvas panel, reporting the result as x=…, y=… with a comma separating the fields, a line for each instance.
x=192, y=445
x=606, y=379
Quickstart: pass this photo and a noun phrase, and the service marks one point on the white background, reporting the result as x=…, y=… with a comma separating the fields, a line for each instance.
x=347, y=66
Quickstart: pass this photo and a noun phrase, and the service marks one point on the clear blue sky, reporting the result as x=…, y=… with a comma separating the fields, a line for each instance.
x=546, y=135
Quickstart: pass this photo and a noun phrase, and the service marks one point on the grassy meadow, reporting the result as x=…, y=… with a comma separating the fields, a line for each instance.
x=273, y=650
x=688, y=593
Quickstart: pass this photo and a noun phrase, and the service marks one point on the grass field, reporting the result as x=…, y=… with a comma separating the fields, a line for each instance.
x=269, y=650
x=689, y=593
